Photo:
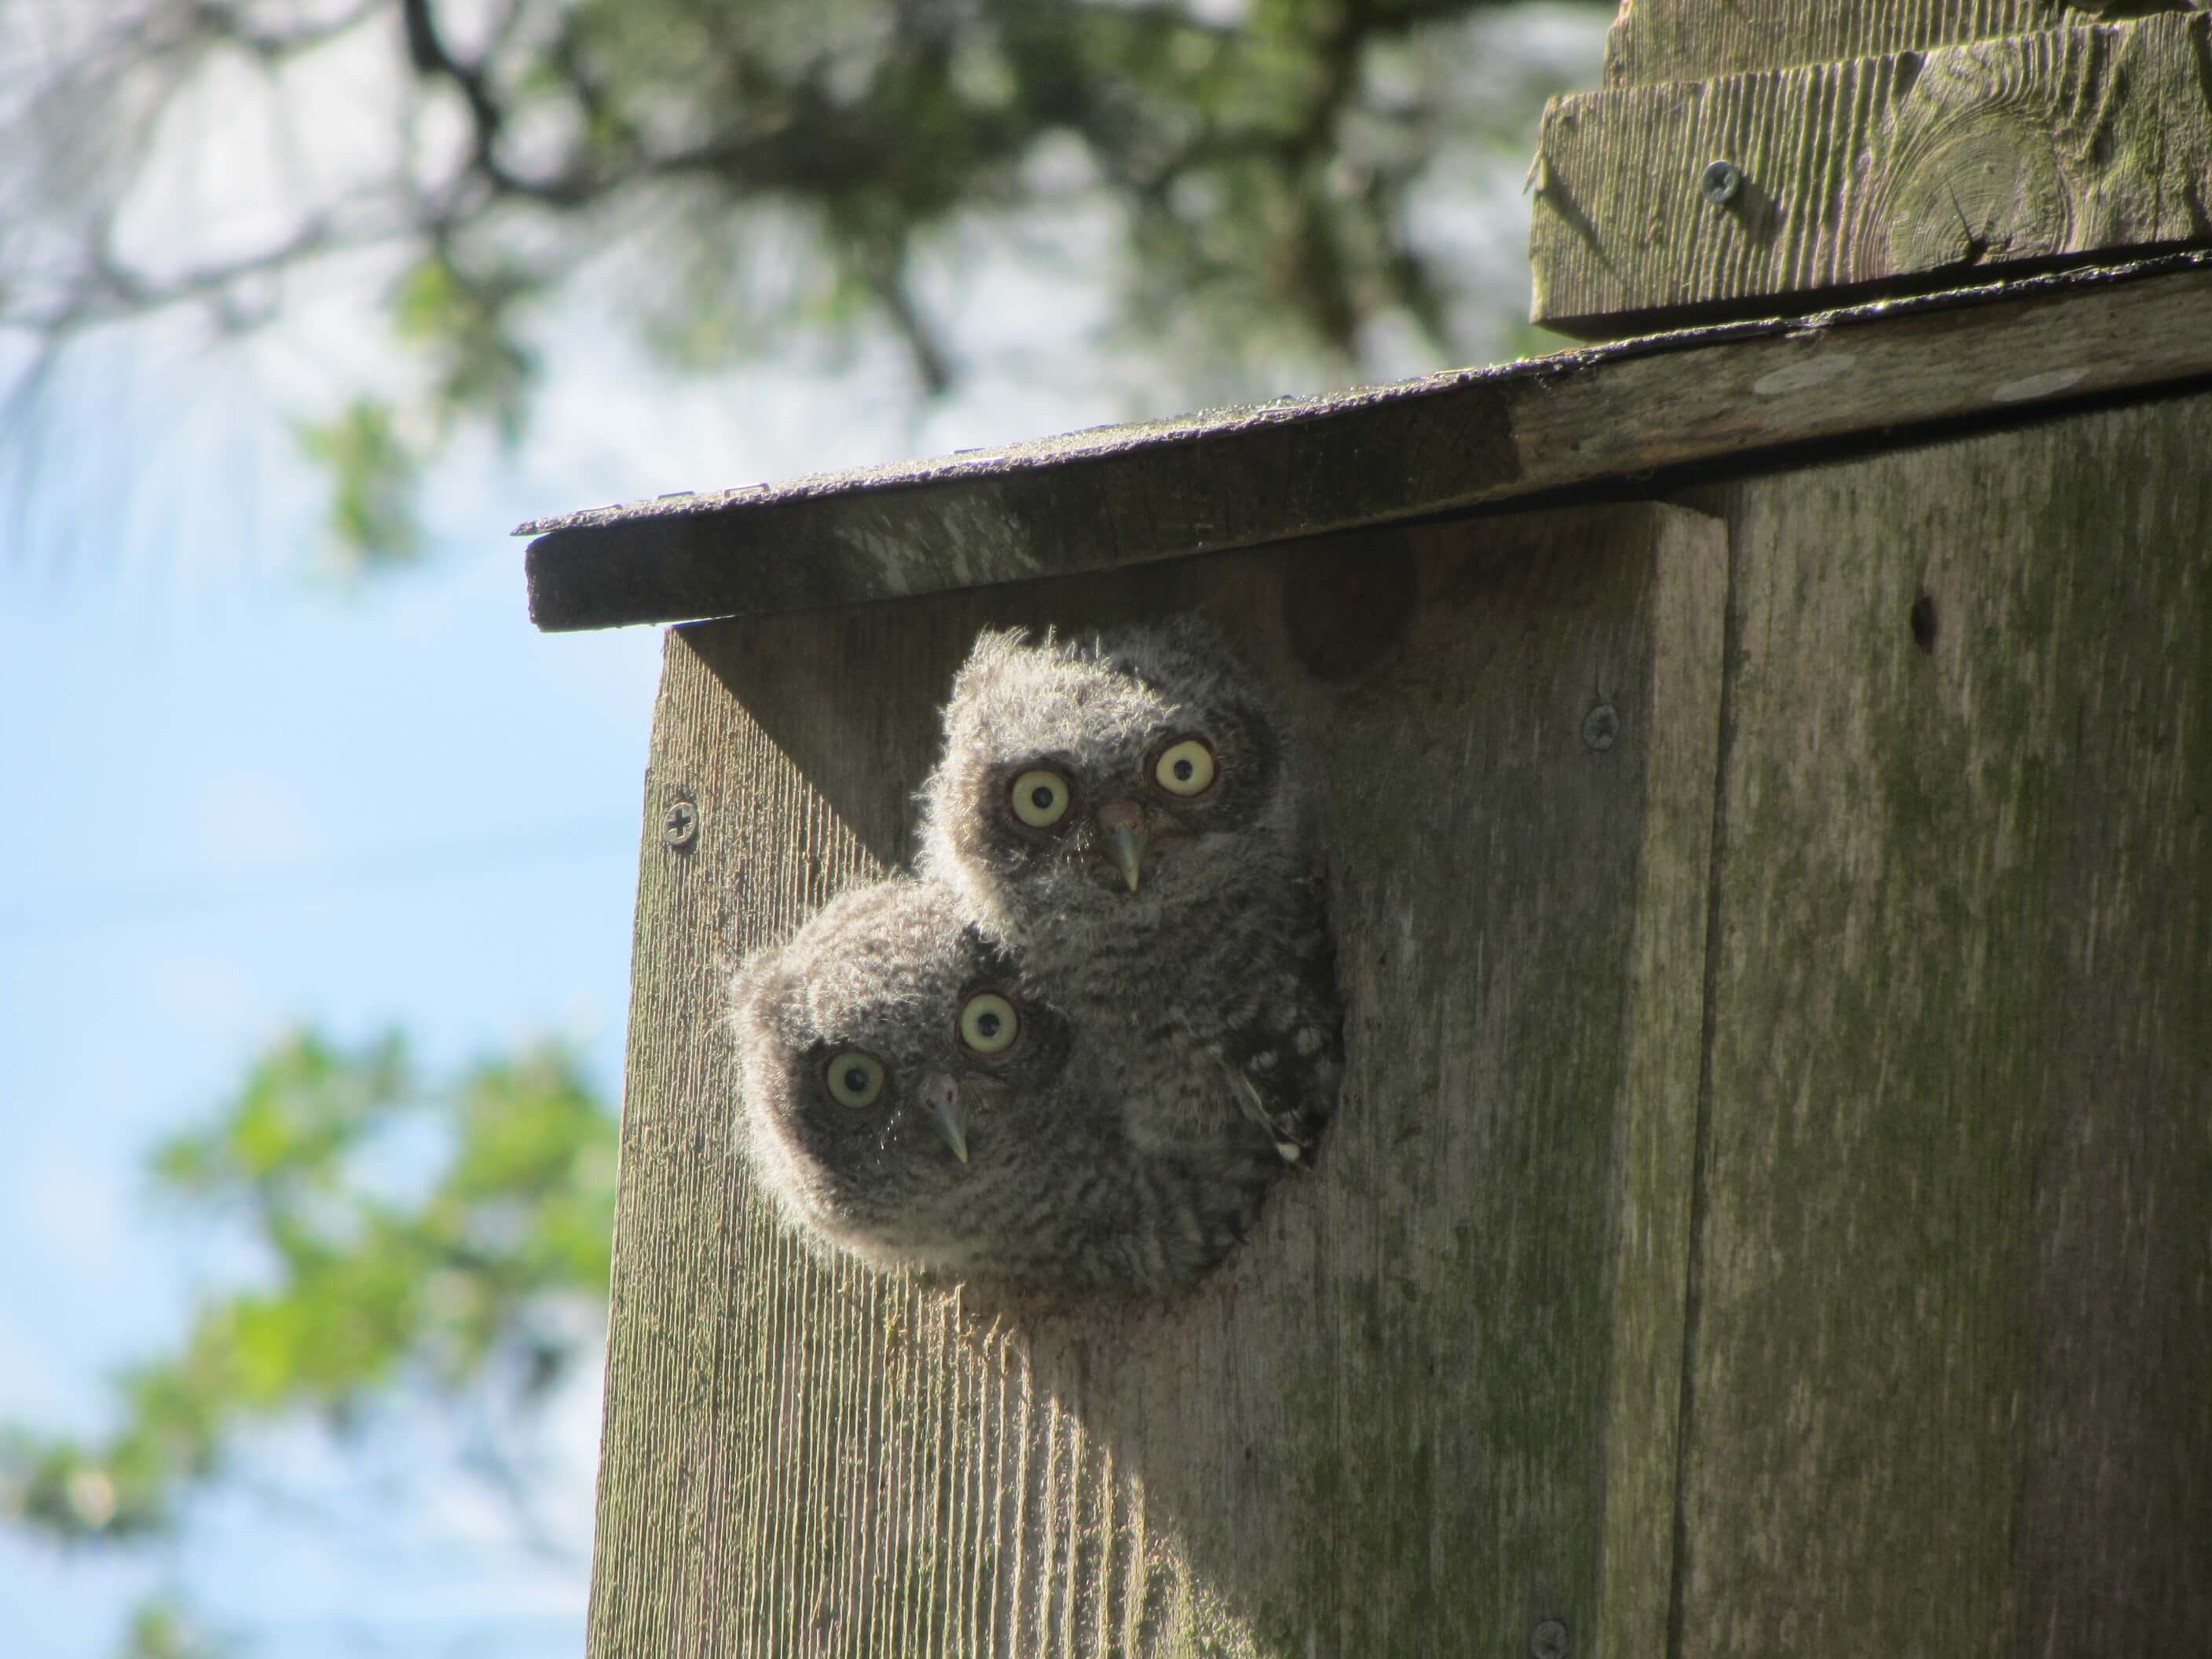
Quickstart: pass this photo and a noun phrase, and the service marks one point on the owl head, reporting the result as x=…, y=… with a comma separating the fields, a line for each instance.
x=1130, y=781
x=901, y=1083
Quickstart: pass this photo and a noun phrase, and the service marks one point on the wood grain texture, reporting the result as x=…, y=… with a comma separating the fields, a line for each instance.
x=1123, y=496
x=1656, y=40
x=1911, y=167
x=1656, y=1156
x=1952, y=1321
x=1432, y=1400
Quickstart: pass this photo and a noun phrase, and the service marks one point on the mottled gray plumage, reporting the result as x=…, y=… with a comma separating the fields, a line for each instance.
x=1175, y=914
x=1014, y=1165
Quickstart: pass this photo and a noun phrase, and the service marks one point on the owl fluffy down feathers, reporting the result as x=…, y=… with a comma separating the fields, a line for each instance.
x=1078, y=1050
x=912, y=1097
x=1128, y=813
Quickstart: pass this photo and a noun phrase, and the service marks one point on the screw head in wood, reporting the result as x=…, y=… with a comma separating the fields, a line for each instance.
x=679, y=825
x=1600, y=727
x=1548, y=1640
x=1720, y=182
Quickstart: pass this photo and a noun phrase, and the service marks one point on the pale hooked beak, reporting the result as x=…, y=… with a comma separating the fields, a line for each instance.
x=1122, y=824
x=940, y=1094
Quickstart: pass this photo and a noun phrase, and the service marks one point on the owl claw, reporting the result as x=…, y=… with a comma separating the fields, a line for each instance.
x=946, y=1115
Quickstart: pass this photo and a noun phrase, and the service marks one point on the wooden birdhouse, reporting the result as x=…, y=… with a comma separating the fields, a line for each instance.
x=1770, y=845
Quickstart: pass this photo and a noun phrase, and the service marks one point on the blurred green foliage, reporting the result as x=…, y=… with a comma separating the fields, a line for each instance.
x=372, y=474
x=780, y=169
x=437, y=1238
x=459, y=319
x=164, y=1628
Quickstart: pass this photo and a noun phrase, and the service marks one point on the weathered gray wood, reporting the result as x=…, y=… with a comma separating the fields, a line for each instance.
x=1655, y=40
x=1121, y=496
x=1952, y=1378
x=1432, y=1401
x=1913, y=168
x=1654, y=1162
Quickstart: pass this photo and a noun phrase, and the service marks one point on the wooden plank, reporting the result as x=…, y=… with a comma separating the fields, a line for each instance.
x=1124, y=495
x=1913, y=167
x=1656, y=1161
x=1952, y=1305
x=1430, y=1403
x=1655, y=40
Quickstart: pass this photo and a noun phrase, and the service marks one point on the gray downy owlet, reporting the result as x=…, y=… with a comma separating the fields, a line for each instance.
x=911, y=1097
x=1128, y=813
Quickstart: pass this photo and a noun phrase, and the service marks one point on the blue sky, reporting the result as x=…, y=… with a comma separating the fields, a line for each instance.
x=240, y=797
x=247, y=804
x=236, y=797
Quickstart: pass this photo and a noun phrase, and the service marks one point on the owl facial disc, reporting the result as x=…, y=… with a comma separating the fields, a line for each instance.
x=1122, y=824
x=940, y=1096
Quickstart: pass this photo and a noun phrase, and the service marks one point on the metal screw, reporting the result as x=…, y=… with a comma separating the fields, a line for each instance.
x=679, y=825
x=1721, y=182
x=1599, y=727
x=1548, y=1640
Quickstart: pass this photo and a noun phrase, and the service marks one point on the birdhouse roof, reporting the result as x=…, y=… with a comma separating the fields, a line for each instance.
x=1633, y=416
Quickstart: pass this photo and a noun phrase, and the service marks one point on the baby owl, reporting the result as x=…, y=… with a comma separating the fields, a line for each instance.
x=910, y=1096
x=1127, y=815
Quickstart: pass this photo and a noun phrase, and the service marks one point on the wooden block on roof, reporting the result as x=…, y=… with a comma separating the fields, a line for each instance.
x=1905, y=169
x=1657, y=40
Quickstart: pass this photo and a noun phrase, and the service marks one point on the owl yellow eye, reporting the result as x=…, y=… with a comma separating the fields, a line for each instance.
x=1185, y=768
x=1040, y=798
x=855, y=1079
x=988, y=1023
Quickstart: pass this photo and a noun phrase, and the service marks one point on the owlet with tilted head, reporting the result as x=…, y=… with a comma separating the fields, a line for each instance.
x=1129, y=814
x=911, y=1096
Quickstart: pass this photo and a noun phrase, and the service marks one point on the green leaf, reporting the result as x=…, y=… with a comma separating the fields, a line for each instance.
x=462, y=319
x=163, y=1627
x=373, y=477
x=460, y=1285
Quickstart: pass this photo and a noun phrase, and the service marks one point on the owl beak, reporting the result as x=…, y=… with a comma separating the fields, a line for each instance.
x=941, y=1095
x=1122, y=824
